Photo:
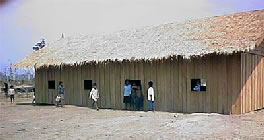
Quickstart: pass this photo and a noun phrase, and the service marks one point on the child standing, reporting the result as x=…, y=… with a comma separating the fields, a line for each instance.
x=61, y=93
x=151, y=96
x=11, y=93
x=94, y=95
x=127, y=93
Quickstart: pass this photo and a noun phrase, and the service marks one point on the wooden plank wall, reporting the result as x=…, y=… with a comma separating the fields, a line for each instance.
x=252, y=83
x=171, y=77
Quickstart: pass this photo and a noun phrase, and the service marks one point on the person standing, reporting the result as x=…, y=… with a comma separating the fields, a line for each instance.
x=6, y=90
x=133, y=96
x=94, y=95
x=151, y=96
x=11, y=93
x=127, y=93
x=139, y=99
x=61, y=93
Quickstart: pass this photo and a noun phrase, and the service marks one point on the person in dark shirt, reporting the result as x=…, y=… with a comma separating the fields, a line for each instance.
x=134, y=96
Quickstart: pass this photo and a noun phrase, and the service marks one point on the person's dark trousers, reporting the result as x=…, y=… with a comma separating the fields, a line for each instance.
x=95, y=104
x=141, y=103
x=137, y=103
x=12, y=98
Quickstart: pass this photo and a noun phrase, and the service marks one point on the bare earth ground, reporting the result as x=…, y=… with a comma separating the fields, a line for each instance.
x=24, y=121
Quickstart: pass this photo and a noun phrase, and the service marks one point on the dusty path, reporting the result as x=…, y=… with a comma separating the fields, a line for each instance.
x=48, y=122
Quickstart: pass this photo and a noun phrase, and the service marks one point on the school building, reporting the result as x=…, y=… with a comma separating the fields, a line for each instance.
x=223, y=54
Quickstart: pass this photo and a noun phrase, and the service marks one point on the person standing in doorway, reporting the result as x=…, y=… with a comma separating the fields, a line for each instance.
x=140, y=99
x=94, y=95
x=11, y=93
x=133, y=96
x=61, y=93
x=151, y=96
x=127, y=93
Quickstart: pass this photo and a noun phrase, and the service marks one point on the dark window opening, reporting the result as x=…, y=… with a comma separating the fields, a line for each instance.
x=88, y=84
x=137, y=82
x=198, y=84
x=51, y=84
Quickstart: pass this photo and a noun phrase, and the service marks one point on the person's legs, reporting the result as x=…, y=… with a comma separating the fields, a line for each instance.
x=150, y=105
x=62, y=100
x=11, y=98
x=137, y=104
x=140, y=104
x=93, y=104
x=124, y=101
x=96, y=106
x=153, y=106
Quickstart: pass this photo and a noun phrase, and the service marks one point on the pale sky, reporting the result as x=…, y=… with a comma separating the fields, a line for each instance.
x=24, y=22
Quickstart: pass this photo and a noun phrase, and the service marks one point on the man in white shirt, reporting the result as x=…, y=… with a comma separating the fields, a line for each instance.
x=94, y=95
x=151, y=96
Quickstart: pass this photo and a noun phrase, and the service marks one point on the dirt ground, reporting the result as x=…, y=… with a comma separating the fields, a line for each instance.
x=24, y=121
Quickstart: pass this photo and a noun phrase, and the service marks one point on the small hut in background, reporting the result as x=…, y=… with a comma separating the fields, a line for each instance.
x=223, y=54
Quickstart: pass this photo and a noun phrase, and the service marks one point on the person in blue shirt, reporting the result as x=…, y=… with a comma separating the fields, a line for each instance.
x=197, y=87
x=61, y=93
x=127, y=93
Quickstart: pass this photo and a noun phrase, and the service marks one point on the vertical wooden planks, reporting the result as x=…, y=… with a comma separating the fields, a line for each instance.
x=141, y=77
x=183, y=82
x=42, y=86
x=118, y=91
x=261, y=83
x=234, y=88
x=244, y=59
x=175, y=83
x=207, y=67
x=250, y=82
x=173, y=92
x=80, y=85
x=168, y=85
x=191, y=96
x=112, y=69
x=122, y=79
x=200, y=73
x=223, y=84
x=253, y=82
x=38, y=84
x=256, y=83
x=39, y=91
x=107, y=85
x=49, y=72
x=101, y=83
x=162, y=94
x=234, y=83
x=214, y=87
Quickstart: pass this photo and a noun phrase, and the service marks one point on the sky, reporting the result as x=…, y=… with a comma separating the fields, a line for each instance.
x=25, y=22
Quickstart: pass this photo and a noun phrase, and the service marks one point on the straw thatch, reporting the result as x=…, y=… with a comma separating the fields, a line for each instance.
x=225, y=34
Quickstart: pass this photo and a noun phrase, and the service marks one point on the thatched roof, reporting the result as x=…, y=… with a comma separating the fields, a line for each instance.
x=225, y=34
